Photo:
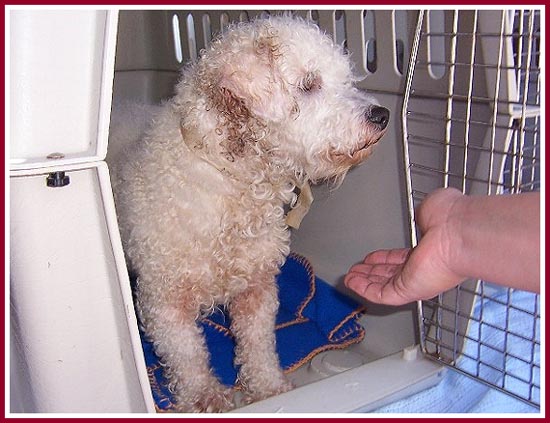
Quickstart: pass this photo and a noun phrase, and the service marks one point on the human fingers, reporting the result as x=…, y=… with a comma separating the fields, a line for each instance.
x=384, y=270
x=379, y=289
x=378, y=267
x=394, y=256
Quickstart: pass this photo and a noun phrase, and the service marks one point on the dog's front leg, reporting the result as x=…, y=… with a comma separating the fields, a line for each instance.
x=180, y=343
x=253, y=324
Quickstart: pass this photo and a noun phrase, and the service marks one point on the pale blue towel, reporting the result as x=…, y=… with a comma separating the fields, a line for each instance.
x=457, y=393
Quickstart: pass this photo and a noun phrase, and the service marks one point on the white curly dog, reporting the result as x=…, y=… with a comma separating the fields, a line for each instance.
x=268, y=107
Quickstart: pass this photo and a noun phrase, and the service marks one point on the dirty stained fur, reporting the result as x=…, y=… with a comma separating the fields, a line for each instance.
x=200, y=197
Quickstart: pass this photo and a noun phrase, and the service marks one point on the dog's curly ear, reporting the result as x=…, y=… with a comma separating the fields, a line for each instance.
x=246, y=61
x=241, y=80
x=253, y=76
x=240, y=128
x=230, y=106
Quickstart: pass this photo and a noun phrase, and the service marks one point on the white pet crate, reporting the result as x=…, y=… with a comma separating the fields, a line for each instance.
x=74, y=343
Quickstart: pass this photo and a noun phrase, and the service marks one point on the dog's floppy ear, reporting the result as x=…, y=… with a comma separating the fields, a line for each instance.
x=254, y=78
x=240, y=127
x=242, y=83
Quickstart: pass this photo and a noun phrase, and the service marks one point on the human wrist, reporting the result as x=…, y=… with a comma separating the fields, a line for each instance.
x=441, y=218
x=457, y=255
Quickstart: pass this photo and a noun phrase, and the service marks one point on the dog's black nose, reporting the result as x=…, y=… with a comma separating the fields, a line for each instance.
x=379, y=116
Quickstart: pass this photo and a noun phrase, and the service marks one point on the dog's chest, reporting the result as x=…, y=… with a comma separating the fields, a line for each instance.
x=251, y=246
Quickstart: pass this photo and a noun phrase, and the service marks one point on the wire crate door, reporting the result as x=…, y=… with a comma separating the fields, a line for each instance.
x=471, y=120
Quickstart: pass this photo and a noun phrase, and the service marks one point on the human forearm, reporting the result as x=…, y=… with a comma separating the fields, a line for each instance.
x=498, y=239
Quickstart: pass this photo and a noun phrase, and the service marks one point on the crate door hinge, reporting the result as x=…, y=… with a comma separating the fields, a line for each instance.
x=57, y=179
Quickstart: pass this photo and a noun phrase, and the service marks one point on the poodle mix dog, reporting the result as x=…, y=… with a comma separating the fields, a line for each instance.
x=268, y=107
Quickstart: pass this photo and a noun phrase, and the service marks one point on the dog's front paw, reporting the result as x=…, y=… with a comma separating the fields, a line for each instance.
x=216, y=400
x=269, y=388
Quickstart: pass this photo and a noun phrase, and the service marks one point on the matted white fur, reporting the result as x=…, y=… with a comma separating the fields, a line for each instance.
x=200, y=197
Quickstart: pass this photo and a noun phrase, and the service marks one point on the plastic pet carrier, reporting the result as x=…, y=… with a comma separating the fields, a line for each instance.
x=468, y=87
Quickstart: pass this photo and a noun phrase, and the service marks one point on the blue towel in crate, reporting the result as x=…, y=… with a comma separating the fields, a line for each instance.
x=313, y=317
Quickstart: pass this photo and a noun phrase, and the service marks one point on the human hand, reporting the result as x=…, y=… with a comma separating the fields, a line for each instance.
x=399, y=276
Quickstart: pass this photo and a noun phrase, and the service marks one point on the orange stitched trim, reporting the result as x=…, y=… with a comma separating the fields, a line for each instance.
x=304, y=262
x=354, y=314
x=157, y=390
x=322, y=348
x=292, y=322
x=218, y=327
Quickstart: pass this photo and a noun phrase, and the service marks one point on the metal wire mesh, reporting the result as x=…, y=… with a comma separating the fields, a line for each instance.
x=471, y=120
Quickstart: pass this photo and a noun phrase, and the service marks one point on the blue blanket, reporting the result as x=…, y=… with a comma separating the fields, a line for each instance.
x=313, y=317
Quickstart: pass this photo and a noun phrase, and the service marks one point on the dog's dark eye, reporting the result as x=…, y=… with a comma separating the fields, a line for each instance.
x=311, y=82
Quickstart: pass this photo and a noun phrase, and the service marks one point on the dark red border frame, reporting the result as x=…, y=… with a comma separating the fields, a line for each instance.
x=216, y=5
